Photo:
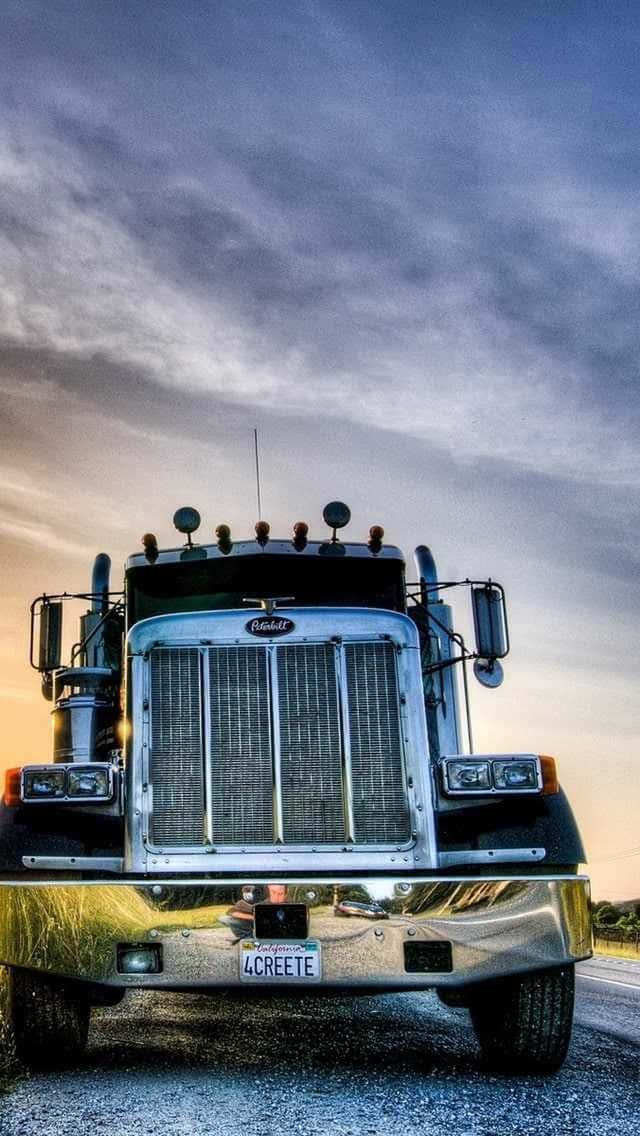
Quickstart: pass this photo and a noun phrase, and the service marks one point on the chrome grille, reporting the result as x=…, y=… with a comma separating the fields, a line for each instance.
x=310, y=745
x=241, y=763
x=176, y=765
x=296, y=742
x=379, y=797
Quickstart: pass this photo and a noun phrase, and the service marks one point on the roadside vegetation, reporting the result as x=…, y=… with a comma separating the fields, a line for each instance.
x=616, y=928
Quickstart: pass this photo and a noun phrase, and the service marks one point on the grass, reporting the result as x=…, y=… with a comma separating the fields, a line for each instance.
x=616, y=950
x=74, y=928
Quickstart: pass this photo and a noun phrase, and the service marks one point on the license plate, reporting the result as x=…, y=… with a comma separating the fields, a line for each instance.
x=279, y=961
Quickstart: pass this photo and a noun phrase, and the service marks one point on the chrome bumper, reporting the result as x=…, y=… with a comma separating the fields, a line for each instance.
x=495, y=927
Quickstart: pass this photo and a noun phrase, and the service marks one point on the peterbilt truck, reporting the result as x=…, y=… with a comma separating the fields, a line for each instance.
x=264, y=777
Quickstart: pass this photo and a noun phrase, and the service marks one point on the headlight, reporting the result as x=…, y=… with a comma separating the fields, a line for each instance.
x=68, y=784
x=519, y=773
x=88, y=782
x=487, y=775
x=44, y=784
x=465, y=776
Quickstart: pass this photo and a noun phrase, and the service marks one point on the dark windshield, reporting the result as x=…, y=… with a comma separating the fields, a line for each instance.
x=206, y=585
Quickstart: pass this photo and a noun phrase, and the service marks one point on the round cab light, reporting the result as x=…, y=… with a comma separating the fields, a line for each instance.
x=336, y=514
x=186, y=520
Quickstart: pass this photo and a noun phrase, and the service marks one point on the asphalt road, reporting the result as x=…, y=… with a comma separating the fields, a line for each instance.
x=398, y=1064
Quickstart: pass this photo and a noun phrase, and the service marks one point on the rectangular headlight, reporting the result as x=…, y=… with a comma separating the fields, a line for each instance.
x=44, y=783
x=88, y=781
x=467, y=776
x=483, y=774
x=67, y=784
x=517, y=773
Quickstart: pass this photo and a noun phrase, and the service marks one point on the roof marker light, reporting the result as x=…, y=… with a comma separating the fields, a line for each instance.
x=150, y=545
x=262, y=532
x=223, y=533
x=300, y=533
x=376, y=535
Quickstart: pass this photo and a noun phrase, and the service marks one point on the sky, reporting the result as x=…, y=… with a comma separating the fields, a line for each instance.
x=402, y=240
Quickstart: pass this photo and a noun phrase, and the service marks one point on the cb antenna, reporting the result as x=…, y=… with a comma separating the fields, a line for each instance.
x=255, y=443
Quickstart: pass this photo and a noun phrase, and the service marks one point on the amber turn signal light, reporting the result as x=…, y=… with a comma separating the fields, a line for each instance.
x=150, y=545
x=262, y=532
x=549, y=775
x=300, y=533
x=12, y=779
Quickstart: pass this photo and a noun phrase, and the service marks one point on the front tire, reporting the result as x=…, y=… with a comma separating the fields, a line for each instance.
x=524, y=1023
x=44, y=1022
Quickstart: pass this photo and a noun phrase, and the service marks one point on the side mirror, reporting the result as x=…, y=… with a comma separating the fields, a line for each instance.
x=50, y=642
x=490, y=623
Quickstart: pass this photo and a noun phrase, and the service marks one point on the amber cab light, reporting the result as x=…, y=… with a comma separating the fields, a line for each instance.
x=549, y=775
x=12, y=779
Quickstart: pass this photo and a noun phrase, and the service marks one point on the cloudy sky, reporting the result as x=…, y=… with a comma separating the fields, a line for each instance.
x=403, y=240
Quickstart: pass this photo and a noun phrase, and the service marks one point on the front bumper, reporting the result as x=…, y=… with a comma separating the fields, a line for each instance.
x=495, y=927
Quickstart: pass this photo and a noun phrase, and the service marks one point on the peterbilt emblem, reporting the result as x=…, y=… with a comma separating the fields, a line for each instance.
x=270, y=625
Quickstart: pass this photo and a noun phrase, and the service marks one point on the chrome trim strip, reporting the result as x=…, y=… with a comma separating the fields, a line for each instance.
x=274, y=690
x=76, y=863
x=345, y=724
x=205, y=710
x=491, y=856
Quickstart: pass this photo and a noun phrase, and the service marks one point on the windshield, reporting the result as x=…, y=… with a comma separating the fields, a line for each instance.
x=162, y=589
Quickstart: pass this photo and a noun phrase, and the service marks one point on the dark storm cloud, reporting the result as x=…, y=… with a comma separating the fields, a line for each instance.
x=344, y=205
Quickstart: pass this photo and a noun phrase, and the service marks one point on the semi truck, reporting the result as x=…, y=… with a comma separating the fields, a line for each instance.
x=264, y=778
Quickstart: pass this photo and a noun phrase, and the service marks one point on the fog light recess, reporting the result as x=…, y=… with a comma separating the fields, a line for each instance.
x=434, y=957
x=139, y=958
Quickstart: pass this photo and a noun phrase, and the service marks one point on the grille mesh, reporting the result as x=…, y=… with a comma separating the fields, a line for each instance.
x=176, y=748
x=241, y=763
x=310, y=745
x=237, y=789
x=379, y=798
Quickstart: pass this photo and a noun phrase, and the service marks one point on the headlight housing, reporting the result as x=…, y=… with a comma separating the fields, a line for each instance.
x=487, y=775
x=44, y=783
x=68, y=784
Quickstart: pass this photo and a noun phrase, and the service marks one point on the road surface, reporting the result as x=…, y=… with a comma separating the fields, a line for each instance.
x=398, y=1064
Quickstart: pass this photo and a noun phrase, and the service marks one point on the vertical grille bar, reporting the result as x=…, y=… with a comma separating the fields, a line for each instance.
x=310, y=744
x=176, y=765
x=379, y=795
x=347, y=780
x=241, y=787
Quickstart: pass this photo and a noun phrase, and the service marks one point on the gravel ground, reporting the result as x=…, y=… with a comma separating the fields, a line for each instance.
x=191, y=1064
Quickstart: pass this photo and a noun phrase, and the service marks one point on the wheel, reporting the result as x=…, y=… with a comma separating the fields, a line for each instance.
x=43, y=1020
x=525, y=1022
